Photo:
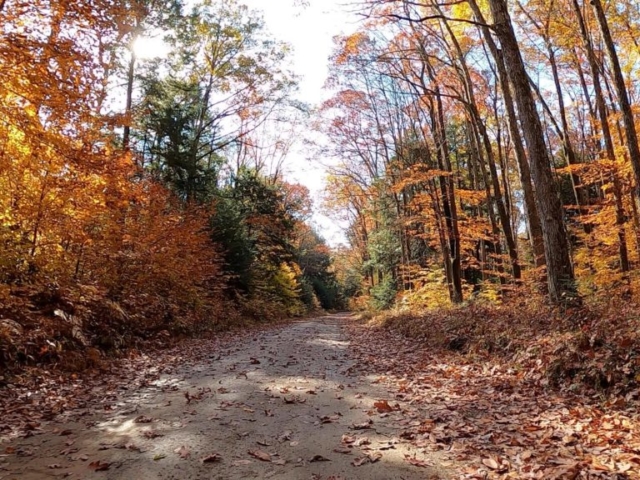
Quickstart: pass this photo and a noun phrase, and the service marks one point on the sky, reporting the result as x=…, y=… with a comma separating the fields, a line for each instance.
x=310, y=31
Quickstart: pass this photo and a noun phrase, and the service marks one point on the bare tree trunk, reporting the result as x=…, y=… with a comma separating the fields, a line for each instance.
x=448, y=202
x=560, y=275
x=623, y=96
x=535, y=228
x=498, y=198
x=607, y=140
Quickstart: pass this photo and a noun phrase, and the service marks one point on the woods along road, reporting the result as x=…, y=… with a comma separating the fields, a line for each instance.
x=288, y=402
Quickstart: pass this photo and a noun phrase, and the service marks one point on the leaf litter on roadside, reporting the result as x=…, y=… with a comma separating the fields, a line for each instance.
x=489, y=420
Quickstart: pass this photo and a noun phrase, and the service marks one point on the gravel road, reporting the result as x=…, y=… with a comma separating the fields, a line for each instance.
x=286, y=403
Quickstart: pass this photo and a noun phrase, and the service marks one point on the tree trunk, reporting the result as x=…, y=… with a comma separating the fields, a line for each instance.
x=498, y=198
x=560, y=275
x=535, y=228
x=607, y=139
x=623, y=96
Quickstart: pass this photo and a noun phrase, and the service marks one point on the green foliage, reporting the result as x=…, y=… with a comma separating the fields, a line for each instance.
x=383, y=294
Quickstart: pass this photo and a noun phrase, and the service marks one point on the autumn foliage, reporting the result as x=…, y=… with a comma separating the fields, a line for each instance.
x=480, y=146
x=109, y=238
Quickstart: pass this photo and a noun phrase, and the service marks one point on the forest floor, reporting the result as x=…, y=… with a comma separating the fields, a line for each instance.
x=324, y=398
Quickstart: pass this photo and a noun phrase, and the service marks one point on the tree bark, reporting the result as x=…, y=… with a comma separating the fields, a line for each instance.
x=535, y=228
x=609, y=152
x=560, y=275
x=621, y=91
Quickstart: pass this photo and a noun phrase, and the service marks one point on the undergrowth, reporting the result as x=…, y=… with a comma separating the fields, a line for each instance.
x=73, y=329
x=593, y=348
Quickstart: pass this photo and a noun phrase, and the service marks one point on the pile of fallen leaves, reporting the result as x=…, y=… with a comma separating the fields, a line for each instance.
x=71, y=329
x=597, y=350
x=513, y=394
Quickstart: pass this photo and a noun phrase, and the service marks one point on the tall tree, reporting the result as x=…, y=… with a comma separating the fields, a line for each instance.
x=558, y=260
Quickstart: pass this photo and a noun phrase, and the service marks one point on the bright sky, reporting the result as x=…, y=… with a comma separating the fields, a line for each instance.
x=310, y=31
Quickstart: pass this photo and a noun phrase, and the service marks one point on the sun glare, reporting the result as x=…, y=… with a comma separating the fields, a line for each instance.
x=146, y=48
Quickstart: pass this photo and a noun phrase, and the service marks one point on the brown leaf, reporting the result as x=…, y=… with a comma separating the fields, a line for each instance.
x=363, y=425
x=329, y=418
x=492, y=463
x=213, y=458
x=383, y=406
x=143, y=419
x=417, y=462
x=183, y=452
x=99, y=466
x=348, y=439
x=374, y=456
x=362, y=441
x=344, y=450
x=357, y=462
x=260, y=455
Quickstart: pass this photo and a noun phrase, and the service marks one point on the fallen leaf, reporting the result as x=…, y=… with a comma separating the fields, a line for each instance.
x=159, y=456
x=348, y=439
x=329, y=418
x=374, y=456
x=260, y=455
x=99, y=466
x=358, y=462
x=215, y=457
x=417, y=462
x=363, y=425
x=143, y=419
x=383, y=406
x=362, y=441
x=344, y=450
x=491, y=463
x=183, y=452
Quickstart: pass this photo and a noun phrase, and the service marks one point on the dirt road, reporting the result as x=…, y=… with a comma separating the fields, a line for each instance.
x=286, y=403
